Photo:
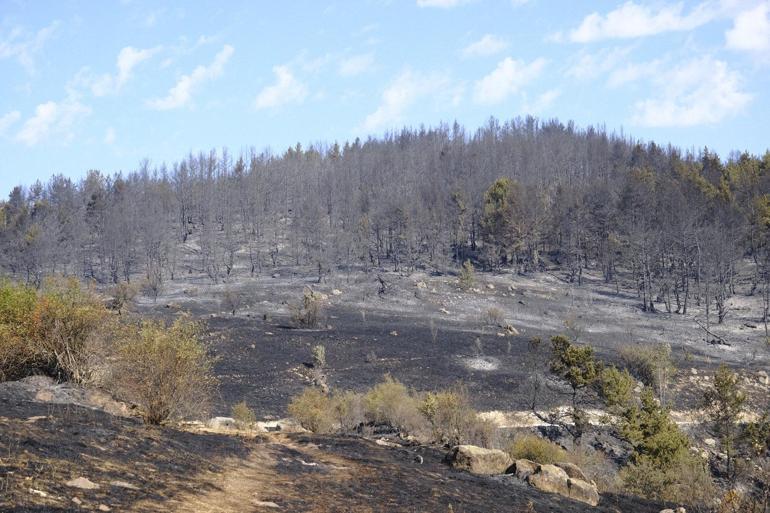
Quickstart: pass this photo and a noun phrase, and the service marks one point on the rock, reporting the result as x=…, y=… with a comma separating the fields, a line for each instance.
x=573, y=471
x=282, y=425
x=693, y=371
x=104, y=507
x=478, y=460
x=490, y=286
x=221, y=423
x=39, y=493
x=511, y=330
x=583, y=491
x=82, y=483
x=551, y=479
x=444, y=311
x=123, y=484
x=266, y=504
x=421, y=285
x=524, y=468
x=336, y=292
x=77, y=501
x=763, y=378
x=710, y=442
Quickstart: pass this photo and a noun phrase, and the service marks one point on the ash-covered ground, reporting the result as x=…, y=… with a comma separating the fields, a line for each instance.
x=427, y=332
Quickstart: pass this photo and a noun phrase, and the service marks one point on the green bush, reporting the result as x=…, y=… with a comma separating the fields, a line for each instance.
x=537, y=449
x=615, y=387
x=452, y=419
x=313, y=410
x=165, y=371
x=307, y=314
x=243, y=415
x=652, y=365
x=348, y=410
x=50, y=331
x=392, y=403
x=467, y=276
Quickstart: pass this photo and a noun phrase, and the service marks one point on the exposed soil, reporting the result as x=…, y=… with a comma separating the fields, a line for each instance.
x=368, y=334
x=141, y=469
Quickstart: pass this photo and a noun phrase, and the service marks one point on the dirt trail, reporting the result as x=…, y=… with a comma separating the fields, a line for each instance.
x=257, y=482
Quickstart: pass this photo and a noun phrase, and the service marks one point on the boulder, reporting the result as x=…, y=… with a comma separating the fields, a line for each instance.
x=551, y=479
x=221, y=423
x=573, y=471
x=511, y=330
x=336, y=292
x=583, y=491
x=421, y=285
x=478, y=460
x=524, y=468
x=83, y=483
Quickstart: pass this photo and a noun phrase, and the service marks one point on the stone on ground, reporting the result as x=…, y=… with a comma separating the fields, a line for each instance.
x=478, y=460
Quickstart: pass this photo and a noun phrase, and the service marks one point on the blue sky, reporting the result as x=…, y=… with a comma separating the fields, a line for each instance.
x=103, y=85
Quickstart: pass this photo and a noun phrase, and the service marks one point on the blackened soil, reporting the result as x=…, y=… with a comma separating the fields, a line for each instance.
x=261, y=362
x=41, y=448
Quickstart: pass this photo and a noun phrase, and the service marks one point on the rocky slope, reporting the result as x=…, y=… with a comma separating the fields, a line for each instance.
x=67, y=457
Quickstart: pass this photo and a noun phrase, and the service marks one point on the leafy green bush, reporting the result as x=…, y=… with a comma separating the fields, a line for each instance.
x=652, y=365
x=615, y=387
x=467, y=276
x=243, y=415
x=452, y=419
x=49, y=331
x=166, y=371
x=307, y=314
x=313, y=410
x=537, y=449
x=392, y=403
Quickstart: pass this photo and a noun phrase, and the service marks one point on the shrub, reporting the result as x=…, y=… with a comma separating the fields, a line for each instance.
x=230, y=301
x=312, y=409
x=49, y=331
x=122, y=294
x=166, y=371
x=243, y=415
x=537, y=449
x=467, y=276
x=307, y=314
x=348, y=410
x=685, y=481
x=494, y=316
x=652, y=365
x=392, y=403
x=615, y=387
x=452, y=419
x=319, y=356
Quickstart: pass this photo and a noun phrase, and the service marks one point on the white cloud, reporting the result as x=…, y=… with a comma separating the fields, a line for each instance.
x=286, y=89
x=128, y=58
x=633, y=72
x=443, y=4
x=8, y=120
x=356, y=65
x=632, y=20
x=542, y=102
x=508, y=78
x=751, y=30
x=23, y=46
x=702, y=91
x=53, y=119
x=484, y=47
x=109, y=136
x=181, y=94
x=591, y=65
x=406, y=90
